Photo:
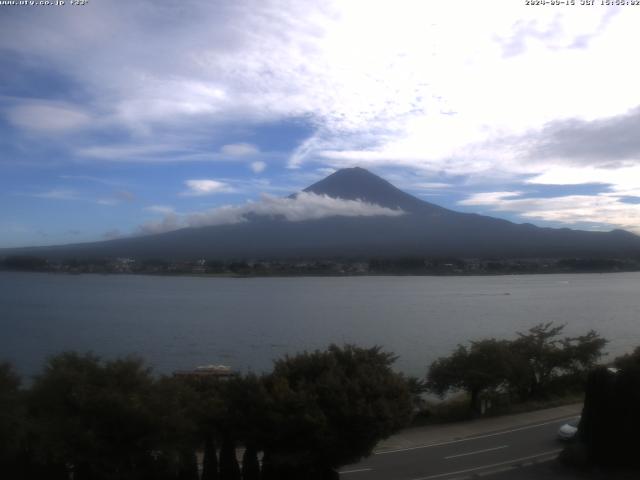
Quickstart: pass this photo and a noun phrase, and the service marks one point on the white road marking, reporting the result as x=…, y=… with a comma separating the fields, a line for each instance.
x=355, y=471
x=493, y=465
x=476, y=452
x=504, y=432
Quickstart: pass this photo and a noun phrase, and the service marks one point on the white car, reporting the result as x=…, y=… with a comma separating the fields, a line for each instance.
x=568, y=431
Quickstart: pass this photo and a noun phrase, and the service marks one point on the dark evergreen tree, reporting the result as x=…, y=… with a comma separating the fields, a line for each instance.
x=12, y=422
x=229, y=468
x=188, y=466
x=93, y=416
x=210, y=460
x=330, y=408
x=250, y=464
x=481, y=367
x=267, y=471
x=610, y=418
x=526, y=367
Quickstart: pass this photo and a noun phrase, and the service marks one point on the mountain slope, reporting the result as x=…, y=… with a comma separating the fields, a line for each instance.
x=424, y=229
x=360, y=184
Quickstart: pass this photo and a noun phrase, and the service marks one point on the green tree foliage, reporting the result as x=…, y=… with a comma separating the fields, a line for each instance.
x=329, y=408
x=206, y=407
x=540, y=355
x=93, y=416
x=203, y=405
x=582, y=352
x=12, y=419
x=229, y=468
x=175, y=407
x=536, y=356
x=629, y=362
x=245, y=405
x=244, y=420
x=210, y=460
x=105, y=420
x=250, y=464
x=610, y=418
x=25, y=262
x=482, y=366
x=188, y=465
x=417, y=387
x=527, y=367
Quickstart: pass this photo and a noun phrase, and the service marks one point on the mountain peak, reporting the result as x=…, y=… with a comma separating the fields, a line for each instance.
x=357, y=183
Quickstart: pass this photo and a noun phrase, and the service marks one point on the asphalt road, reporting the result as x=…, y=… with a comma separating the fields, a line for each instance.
x=461, y=458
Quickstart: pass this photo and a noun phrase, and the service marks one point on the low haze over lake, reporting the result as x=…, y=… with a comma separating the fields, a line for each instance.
x=183, y=322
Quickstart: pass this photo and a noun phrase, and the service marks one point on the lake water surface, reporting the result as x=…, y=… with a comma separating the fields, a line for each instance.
x=182, y=322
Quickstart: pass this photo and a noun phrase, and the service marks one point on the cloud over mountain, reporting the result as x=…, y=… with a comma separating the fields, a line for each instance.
x=303, y=206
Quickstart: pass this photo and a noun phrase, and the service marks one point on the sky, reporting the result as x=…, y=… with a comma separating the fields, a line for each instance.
x=121, y=119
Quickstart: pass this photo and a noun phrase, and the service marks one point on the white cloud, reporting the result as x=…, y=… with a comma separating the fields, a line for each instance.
x=148, y=151
x=125, y=196
x=485, y=91
x=430, y=185
x=258, y=167
x=117, y=198
x=304, y=206
x=163, y=209
x=111, y=234
x=57, y=194
x=436, y=83
x=621, y=181
x=91, y=179
x=449, y=88
x=607, y=209
x=239, y=149
x=203, y=187
x=14, y=228
x=127, y=152
x=495, y=199
x=169, y=222
x=48, y=118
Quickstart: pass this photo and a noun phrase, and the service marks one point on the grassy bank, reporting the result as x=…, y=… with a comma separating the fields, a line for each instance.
x=456, y=408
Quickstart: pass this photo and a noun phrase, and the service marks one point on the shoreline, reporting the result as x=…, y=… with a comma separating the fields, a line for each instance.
x=324, y=275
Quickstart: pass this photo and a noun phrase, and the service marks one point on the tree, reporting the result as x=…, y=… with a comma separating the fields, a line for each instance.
x=610, y=417
x=250, y=464
x=229, y=468
x=93, y=416
x=629, y=361
x=329, y=408
x=242, y=421
x=526, y=366
x=12, y=421
x=582, y=352
x=206, y=408
x=417, y=387
x=188, y=465
x=25, y=262
x=540, y=355
x=210, y=460
x=481, y=367
x=176, y=409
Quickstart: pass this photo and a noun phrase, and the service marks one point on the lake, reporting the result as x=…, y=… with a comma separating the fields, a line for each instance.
x=183, y=322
